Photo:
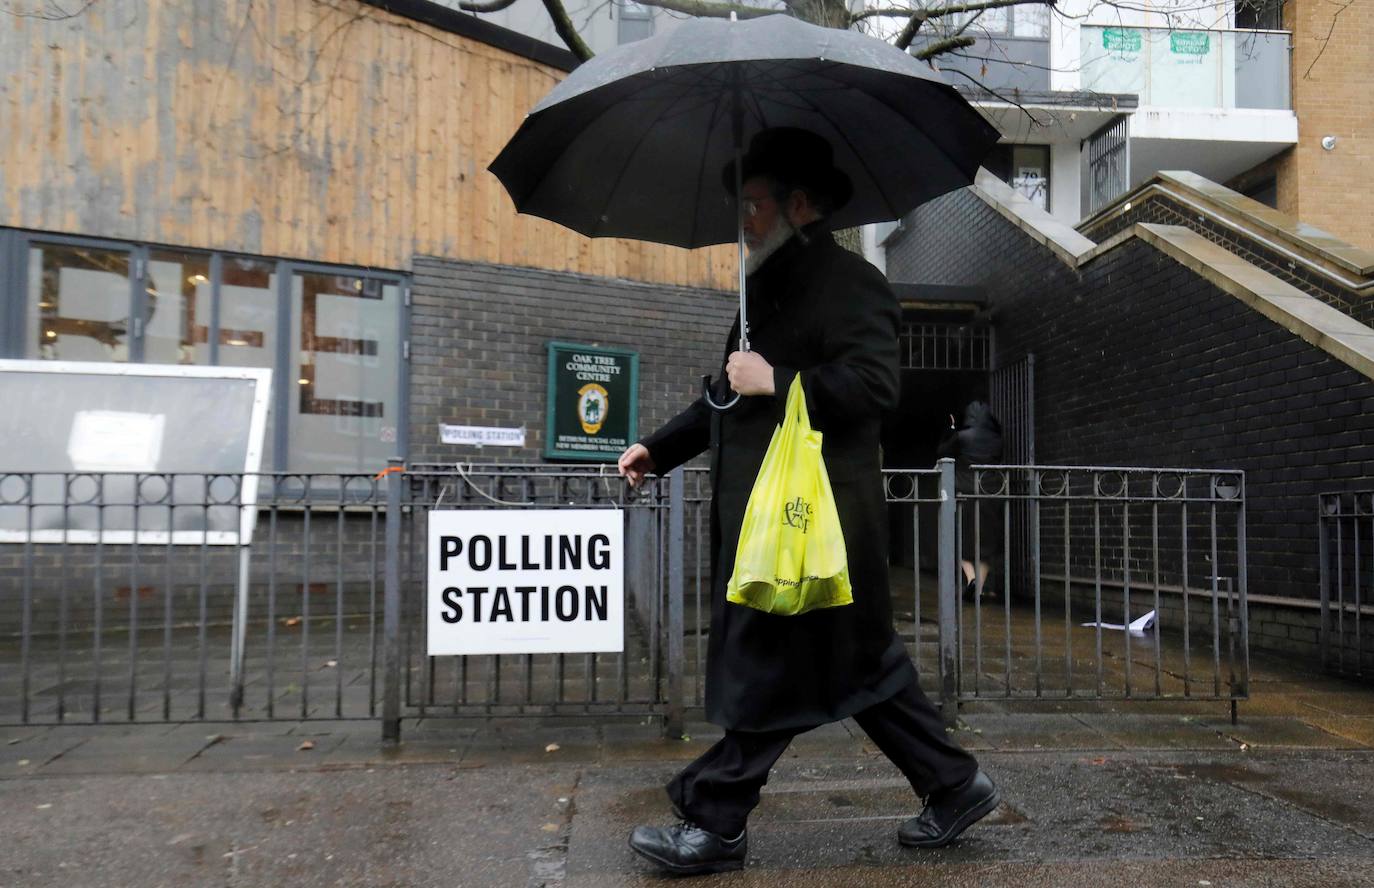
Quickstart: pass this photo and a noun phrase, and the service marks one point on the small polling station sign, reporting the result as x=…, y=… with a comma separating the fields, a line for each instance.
x=505, y=581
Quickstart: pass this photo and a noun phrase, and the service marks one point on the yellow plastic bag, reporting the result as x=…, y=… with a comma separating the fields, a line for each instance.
x=791, y=557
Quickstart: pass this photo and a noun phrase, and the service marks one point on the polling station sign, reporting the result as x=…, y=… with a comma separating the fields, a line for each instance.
x=526, y=582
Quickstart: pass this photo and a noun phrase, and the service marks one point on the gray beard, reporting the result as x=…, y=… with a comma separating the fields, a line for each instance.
x=780, y=234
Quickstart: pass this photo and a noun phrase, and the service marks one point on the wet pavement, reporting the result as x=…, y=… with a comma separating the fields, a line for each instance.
x=1156, y=794
x=1113, y=792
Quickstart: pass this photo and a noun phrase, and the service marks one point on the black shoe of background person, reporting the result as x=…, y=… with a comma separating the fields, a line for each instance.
x=949, y=812
x=686, y=849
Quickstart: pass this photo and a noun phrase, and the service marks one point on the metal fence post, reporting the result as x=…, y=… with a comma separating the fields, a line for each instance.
x=673, y=724
x=1323, y=560
x=391, y=613
x=948, y=600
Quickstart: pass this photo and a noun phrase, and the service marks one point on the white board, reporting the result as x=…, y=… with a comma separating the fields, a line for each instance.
x=124, y=453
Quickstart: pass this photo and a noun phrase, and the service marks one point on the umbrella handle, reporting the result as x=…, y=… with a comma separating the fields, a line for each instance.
x=706, y=394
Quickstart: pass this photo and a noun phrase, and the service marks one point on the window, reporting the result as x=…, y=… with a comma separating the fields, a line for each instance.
x=81, y=298
x=334, y=336
x=345, y=370
x=1025, y=168
x=176, y=308
x=636, y=22
x=1027, y=21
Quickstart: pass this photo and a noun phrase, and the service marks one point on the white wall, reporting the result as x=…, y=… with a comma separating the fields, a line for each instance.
x=1065, y=196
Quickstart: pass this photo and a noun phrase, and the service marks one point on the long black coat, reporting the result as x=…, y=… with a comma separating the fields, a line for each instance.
x=820, y=310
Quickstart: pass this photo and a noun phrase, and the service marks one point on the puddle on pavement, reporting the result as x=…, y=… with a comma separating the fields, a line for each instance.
x=1119, y=823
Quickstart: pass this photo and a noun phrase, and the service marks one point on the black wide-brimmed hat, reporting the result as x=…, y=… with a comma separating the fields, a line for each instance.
x=796, y=157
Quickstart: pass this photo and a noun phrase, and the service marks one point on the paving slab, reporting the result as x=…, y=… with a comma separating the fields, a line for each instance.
x=1157, y=732
x=1341, y=703
x=1033, y=732
x=417, y=826
x=1057, y=808
x=1280, y=731
x=261, y=752
x=1359, y=729
x=148, y=754
x=565, y=745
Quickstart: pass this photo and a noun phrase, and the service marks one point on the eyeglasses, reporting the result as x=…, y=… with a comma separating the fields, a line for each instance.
x=751, y=205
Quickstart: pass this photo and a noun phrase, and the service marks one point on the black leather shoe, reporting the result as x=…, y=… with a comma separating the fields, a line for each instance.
x=688, y=850
x=949, y=812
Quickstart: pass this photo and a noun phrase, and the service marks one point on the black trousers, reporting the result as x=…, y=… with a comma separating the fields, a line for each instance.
x=718, y=790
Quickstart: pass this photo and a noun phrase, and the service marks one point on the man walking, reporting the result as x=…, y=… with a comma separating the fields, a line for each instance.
x=819, y=311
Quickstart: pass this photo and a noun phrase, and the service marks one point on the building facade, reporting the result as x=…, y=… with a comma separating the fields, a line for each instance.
x=1093, y=99
x=279, y=187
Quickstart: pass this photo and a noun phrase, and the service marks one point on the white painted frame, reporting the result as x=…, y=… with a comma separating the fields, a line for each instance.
x=257, y=426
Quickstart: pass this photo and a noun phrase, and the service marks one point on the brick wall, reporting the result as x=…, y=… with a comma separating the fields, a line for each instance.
x=1162, y=210
x=479, y=336
x=1142, y=362
x=1333, y=65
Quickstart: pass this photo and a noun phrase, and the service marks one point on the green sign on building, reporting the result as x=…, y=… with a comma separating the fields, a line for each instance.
x=1121, y=40
x=1189, y=43
x=593, y=406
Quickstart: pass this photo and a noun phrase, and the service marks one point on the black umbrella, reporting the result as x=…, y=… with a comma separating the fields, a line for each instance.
x=633, y=143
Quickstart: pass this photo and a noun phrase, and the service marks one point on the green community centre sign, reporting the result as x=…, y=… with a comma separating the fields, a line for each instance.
x=593, y=402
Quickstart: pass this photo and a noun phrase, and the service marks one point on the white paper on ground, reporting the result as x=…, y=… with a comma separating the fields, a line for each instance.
x=1138, y=626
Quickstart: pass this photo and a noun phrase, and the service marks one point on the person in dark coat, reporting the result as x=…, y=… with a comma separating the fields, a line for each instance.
x=978, y=441
x=817, y=310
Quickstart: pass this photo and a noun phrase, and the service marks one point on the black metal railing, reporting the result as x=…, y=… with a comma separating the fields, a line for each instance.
x=1346, y=551
x=289, y=596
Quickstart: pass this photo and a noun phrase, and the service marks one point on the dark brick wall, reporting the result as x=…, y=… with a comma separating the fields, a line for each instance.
x=1162, y=210
x=479, y=336
x=333, y=566
x=1142, y=362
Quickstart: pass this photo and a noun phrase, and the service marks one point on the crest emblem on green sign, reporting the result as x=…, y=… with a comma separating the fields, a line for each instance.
x=592, y=403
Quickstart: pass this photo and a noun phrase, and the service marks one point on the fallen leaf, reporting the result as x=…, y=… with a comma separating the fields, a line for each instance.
x=12, y=742
x=306, y=745
x=291, y=621
x=45, y=805
x=23, y=762
x=331, y=663
x=552, y=747
x=549, y=827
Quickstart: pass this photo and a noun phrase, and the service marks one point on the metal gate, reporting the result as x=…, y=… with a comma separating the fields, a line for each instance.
x=646, y=678
x=1013, y=403
x=1346, y=551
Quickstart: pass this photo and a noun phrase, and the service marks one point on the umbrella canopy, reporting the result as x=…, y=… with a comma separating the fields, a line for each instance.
x=633, y=143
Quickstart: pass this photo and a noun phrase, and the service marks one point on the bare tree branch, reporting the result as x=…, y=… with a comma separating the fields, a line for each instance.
x=948, y=44
x=1000, y=97
x=940, y=11
x=908, y=33
x=491, y=6
x=1326, y=41
x=564, y=26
